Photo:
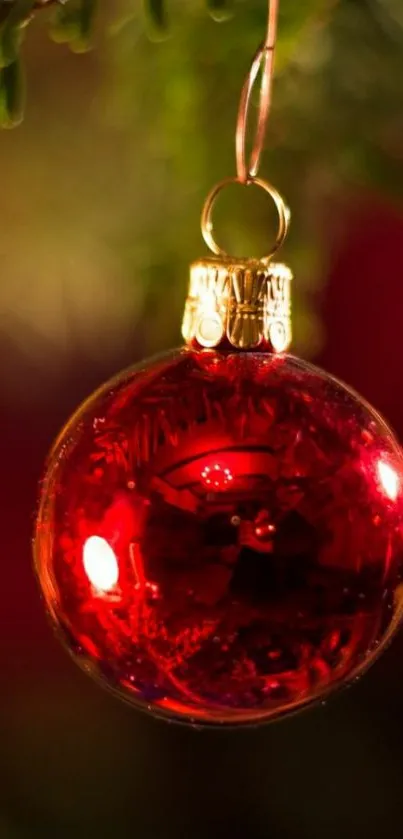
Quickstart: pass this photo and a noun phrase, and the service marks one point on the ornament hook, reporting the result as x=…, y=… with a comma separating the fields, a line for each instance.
x=264, y=61
x=247, y=169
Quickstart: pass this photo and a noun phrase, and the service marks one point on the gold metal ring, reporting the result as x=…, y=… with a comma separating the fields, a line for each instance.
x=207, y=226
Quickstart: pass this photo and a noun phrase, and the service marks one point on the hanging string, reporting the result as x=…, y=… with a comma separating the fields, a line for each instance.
x=262, y=63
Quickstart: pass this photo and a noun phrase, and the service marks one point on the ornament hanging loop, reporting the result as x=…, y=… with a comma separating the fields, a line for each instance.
x=263, y=63
x=248, y=167
x=207, y=225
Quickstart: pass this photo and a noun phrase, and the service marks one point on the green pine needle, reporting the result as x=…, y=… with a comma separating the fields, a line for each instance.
x=220, y=10
x=12, y=91
x=156, y=18
x=11, y=33
x=72, y=24
x=85, y=18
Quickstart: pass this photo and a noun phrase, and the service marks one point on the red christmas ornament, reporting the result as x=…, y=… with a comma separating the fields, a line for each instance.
x=220, y=534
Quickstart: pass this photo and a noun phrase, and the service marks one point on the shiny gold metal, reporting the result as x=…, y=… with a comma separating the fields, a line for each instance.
x=242, y=303
x=206, y=306
x=264, y=62
x=207, y=220
x=277, y=324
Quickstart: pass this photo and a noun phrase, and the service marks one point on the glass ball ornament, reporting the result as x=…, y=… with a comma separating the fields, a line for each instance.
x=220, y=535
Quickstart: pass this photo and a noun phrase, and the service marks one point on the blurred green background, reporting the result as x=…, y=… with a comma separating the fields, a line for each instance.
x=101, y=191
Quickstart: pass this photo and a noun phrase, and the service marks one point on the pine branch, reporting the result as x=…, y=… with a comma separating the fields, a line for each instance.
x=72, y=24
x=7, y=5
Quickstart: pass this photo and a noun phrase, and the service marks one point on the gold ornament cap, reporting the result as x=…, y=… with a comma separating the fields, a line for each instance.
x=240, y=303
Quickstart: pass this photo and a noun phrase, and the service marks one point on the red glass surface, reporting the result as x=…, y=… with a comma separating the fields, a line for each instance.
x=220, y=536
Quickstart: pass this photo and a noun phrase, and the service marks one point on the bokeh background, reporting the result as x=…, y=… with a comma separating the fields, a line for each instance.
x=101, y=191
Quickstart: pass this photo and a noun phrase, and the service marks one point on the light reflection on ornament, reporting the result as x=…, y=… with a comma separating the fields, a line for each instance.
x=142, y=584
x=217, y=477
x=389, y=480
x=265, y=530
x=100, y=563
x=153, y=589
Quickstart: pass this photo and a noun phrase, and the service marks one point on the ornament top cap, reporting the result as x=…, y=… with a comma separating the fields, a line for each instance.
x=240, y=303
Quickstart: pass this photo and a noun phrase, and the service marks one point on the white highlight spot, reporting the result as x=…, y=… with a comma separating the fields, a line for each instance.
x=389, y=479
x=100, y=563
